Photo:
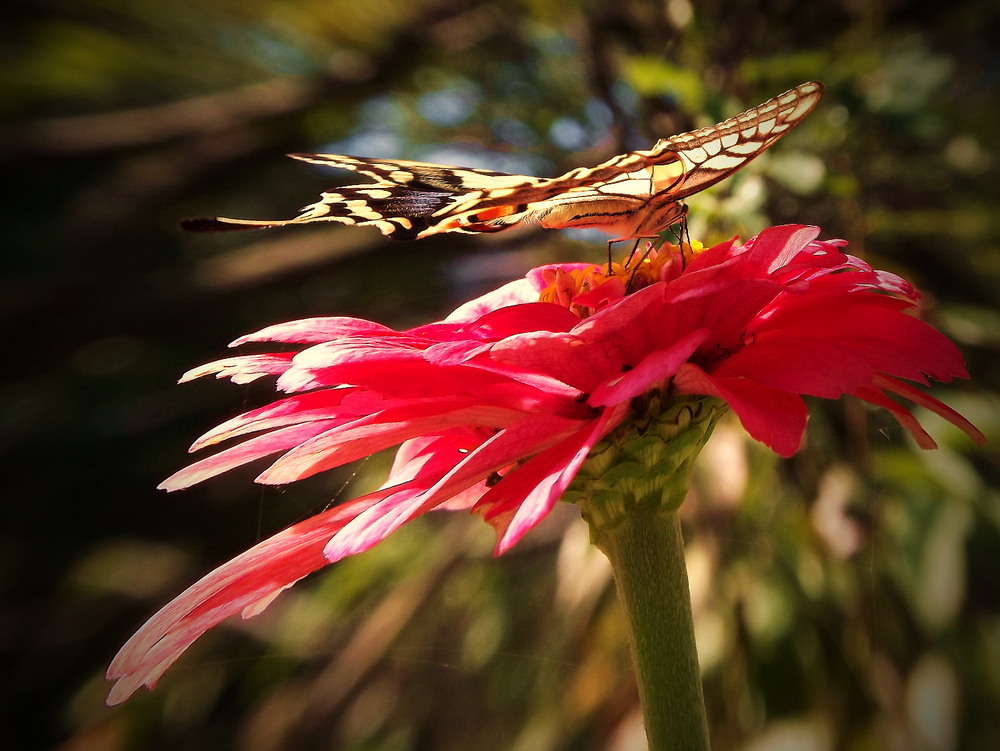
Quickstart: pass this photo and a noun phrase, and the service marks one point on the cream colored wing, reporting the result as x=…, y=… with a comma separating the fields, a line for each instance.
x=636, y=194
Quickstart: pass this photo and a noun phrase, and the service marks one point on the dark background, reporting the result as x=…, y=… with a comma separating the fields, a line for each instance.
x=845, y=599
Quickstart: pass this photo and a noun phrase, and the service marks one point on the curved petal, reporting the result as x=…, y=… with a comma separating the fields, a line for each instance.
x=775, y=418
x=512, y=293
x=247, y=583
x=533, y=434
x=242, y=369
x=930, y=403
x=244, y=453
x=655, y=368
x=902, y=414
x=316, y=330
x=559, y=356
x=314, y=405
x=527, y=493
x=343, y=444
x=777, y=247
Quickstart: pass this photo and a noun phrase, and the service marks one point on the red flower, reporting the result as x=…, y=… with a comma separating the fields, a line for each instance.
x=523, y=382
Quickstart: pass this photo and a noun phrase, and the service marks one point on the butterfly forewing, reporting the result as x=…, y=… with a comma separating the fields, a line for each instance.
x=712, y=154
x=636, y=194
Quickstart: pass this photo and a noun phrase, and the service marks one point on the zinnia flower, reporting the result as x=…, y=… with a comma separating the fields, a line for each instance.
x=496, y=408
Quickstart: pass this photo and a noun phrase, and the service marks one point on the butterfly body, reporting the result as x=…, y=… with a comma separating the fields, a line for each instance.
x=637, y=194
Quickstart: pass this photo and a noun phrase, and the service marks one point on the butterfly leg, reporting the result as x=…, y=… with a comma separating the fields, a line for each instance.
x=685, y=233
x=635, y=269
x=631, y=253
x=682, y=235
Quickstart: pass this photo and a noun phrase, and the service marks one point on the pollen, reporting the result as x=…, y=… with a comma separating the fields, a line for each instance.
x=587, y=289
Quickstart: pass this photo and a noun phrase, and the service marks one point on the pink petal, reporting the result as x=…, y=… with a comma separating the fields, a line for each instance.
x=316, y=330
x=530, y=316
x=558, y=357
x=776, y=247
x=315, y=405
x=415, y=457
x=248, y=451
x=868, y=330
x=714, y=256
x=655, y=368
x=242, y=368
x=368, y=435
x=246, y=583
x=397, y=373
x=902, y=415
x=528, y=492
x=930, y=403
x=775, y=418
x=602, y=295
x=532, y=434
x=512, y=293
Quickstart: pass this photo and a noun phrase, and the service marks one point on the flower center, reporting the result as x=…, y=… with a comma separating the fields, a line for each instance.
x=587, y=289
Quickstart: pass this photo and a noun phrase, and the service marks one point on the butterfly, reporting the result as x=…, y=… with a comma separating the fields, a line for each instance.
x=638, y=194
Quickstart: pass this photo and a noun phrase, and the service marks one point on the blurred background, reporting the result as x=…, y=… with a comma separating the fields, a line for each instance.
x=848, y=598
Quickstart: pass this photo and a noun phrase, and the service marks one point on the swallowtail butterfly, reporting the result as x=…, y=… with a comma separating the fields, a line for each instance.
x=633, y=195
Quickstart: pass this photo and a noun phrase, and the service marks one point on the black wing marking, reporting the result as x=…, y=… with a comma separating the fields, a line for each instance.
x=419, y=175
x=400, y=214
x=399, y=203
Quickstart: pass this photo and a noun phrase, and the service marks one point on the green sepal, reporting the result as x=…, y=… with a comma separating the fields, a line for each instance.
x=646, y=461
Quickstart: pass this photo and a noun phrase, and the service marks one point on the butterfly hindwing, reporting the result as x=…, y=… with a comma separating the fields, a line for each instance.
x=418, y=175
x=636, y=194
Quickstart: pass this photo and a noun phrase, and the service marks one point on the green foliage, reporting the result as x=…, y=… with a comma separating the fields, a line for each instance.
x=837, y=595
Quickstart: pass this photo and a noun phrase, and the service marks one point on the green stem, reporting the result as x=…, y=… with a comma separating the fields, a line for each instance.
x=647, y=555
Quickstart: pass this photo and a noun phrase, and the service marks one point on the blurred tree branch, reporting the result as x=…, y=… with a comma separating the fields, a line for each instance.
x=346, y=77
x=149, y=126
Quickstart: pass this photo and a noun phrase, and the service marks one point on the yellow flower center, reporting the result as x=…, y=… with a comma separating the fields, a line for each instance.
x=587, y=289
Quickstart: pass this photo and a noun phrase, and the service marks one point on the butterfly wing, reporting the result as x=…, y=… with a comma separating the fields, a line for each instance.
x=636, y=194
x=711, y=154
x=402, y=202
x=419, y=175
